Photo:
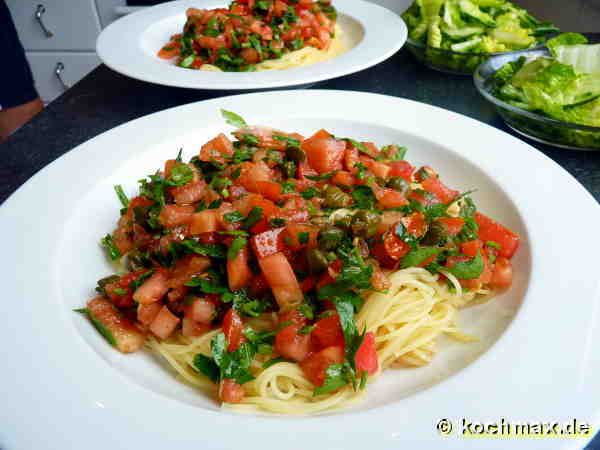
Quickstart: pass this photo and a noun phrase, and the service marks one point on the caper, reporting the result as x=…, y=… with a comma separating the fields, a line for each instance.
x=335, y=197
x=317, y=261
x=329, y=238
x=436, y=235
x=288, y=168
x=398, y=183
x=295, y=154
x=364, y=223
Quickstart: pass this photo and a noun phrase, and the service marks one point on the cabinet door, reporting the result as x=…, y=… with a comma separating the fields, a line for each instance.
x=71, y=24
x=74, y=67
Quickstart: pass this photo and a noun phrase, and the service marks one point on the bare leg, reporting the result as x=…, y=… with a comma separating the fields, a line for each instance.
x=11, y=119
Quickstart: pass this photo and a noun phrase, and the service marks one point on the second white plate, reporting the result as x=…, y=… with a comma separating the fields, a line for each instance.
x=129, y=46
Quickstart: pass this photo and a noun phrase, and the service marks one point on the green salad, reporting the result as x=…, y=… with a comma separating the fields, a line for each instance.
x=564, y=86
x=472, y=27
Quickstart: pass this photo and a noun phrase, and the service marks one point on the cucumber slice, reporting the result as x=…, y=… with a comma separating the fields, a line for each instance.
x=462, y=33
x=473, y=12
x=466, y=45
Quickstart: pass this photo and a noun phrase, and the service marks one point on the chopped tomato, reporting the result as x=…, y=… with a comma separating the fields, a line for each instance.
x=290, y=344
x=298, y=236
x=470, y=248
x=366, y=355
x=147, y=313
x=204, y=222
x=439, y=189
x=164, y=323
x=401, y=169
x=389, y=198
x=308, y=283
x=185, y=268
x=415, y=224
x=233, y=328
x=190, y=328
x=490, y=230
x=169, y=50
x=126, y=335
x=282, y=279
x=153, y=289
x=216, y=149
x=268, y=242
x=315, y=365
x=269, y=189
x=201, y=311
x=191, y=192
x=172, y=215
x=292, y=316
x=324, y=152
x=328, y=332
x=238, y=270
x=230, y=391
x=351, y=157
x=377, y=168
x=391, y=250
x=453, y=225
x=502, y=274
x=343, y=178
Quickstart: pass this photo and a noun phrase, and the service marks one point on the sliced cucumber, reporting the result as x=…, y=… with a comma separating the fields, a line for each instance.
x=473, y=12
x=466, y=45
x=462, y=33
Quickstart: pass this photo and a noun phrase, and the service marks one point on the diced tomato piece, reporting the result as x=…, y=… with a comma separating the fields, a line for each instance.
x=292, y=345
x=147, y=313
x=173, y=215
x=204, y=222
x=201, y=311
x=216, y=149
x=437, y=188
x=470, y=248
x=308, y=283
x=291, y=316
x=213, y=43
x=169, y=164
x=233, y=328
x=453, y=225
x=190, y=328
x=315, y=365
x=377, y=168
x=251, y=173
x=366, y=355
x=502, y=274
x=328, y=332
x=269, y=189
x=268, y=242
x=231, y=392
x=490, y=230
x=191, y=192
x=343, y=178
x=126, y=335
x=295, y=231
x=415, y=224
x=389, y=218
x=401, y=169
x=169, y=50
x=390, y=251
x=390, y=198
x=282, y=279
x=351, y=157
x=379, y=279
x=186, y=267
x=238, y=270
x=324, y=153
x=153, y=289
x=474, y=283
x=164, y=323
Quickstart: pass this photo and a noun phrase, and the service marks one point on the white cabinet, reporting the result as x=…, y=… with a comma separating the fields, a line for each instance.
x=55, y=33
x=71, y=24
x=54, y=72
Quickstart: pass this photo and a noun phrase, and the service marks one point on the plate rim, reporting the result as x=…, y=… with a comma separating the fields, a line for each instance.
x=384, y=412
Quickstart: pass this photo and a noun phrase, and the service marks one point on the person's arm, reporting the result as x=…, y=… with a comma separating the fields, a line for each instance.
x=19, y=100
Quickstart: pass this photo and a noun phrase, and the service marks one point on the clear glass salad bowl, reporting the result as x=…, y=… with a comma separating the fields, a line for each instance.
x=449, y=61
x=535, y=126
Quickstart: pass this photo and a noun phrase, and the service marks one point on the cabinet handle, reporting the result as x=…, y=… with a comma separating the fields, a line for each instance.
x=58, y=72
x=39, y=12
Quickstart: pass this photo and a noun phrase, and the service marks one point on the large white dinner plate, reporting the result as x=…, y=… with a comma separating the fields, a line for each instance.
x=63, y=387
x=129, y=46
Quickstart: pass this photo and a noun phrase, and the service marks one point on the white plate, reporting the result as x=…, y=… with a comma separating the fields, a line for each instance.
x=63, y=387
x=129, y=46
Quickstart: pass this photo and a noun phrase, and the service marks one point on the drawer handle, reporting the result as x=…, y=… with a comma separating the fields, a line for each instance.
x=58, y=72
x=39, y=12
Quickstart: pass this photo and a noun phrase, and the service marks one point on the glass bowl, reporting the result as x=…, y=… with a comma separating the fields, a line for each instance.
x=449, y=61
x=534, y=126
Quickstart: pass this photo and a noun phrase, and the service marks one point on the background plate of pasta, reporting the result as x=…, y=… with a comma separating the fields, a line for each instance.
x=292, y=271
x=247, y=44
